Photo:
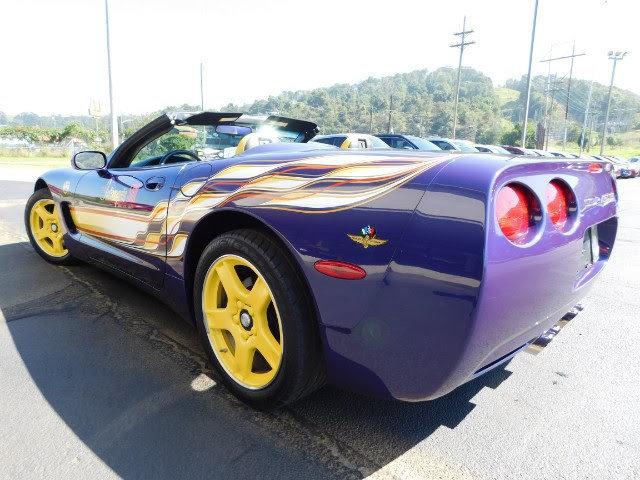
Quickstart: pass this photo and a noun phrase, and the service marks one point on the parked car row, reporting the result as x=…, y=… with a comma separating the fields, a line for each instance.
x=622, y=168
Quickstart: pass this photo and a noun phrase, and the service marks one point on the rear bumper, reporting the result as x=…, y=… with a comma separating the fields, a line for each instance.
x=416, y=358
x=459, y=298
x=420, y=346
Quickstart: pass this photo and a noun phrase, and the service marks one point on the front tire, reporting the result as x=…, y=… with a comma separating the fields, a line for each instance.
x=44, y=224
x=255, y=320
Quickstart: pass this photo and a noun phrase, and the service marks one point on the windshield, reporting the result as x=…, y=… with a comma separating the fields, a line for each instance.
x=212, y=142
x=503, y=151
x=375, y=142
x=423, y=144
x=443, y=144
x=220, y=141
x=463, y=146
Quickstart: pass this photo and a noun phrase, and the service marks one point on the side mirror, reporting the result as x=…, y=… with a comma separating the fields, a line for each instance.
x=89, y=160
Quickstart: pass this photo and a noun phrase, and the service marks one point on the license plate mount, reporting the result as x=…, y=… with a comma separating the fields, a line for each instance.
x=590, y=248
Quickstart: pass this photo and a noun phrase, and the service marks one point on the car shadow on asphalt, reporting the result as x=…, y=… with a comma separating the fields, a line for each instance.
x=121, y=370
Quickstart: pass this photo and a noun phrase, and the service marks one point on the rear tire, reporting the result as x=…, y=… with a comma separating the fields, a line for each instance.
x=44, y=224
x=255, y=320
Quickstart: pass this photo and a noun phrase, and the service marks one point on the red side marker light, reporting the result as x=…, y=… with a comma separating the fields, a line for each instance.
x=595, y=167
x=343, y=270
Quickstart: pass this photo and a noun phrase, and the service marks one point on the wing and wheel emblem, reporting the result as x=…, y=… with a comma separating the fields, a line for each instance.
x=367, y=237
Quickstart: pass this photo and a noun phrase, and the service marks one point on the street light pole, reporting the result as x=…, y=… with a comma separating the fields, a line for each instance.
x=526, y=105
x=114, y=117
x=615, y=56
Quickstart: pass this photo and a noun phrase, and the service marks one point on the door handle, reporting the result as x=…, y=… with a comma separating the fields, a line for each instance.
x=154, y=183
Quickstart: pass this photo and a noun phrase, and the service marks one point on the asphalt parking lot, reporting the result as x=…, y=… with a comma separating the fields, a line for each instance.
x=97, y=379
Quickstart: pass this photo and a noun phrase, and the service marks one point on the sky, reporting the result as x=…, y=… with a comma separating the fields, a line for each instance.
x=53, y=52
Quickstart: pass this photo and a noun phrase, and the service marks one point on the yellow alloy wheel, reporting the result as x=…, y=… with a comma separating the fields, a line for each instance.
x=242, y=321
x=46, y=227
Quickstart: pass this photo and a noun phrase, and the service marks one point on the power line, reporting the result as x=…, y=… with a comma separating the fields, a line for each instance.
x=566, y=111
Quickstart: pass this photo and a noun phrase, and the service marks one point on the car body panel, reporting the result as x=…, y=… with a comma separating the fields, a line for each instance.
x=445, y=296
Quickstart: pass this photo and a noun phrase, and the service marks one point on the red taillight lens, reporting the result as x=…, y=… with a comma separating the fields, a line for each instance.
x=557, y=203
x=513, y=211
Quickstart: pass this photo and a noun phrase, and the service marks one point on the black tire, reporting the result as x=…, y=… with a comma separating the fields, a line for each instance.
x=44, y=194
x=301, y=370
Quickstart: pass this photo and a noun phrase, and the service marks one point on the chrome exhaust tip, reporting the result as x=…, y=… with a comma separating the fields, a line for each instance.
x=537, y=345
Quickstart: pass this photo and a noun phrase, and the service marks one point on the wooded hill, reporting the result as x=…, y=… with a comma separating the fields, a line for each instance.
x=418, y=102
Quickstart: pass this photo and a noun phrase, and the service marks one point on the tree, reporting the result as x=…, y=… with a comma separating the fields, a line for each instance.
x=514, y=136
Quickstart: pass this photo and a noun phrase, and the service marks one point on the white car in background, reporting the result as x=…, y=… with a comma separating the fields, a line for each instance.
x=492, y=149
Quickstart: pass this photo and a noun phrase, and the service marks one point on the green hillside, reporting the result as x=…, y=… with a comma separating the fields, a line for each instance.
x=421, y=103
x=418, y=102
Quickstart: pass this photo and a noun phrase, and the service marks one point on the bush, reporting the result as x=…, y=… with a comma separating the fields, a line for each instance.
x=614, y=142
x=514, y=136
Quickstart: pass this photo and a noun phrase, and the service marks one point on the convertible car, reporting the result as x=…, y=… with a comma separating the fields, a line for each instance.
x=401, y=274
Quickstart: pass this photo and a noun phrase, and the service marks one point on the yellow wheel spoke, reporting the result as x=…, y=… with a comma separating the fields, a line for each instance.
x=42, y=212
x=230, y=281
x=269, y=348
x=259, y=297
x=58, y=247
x=244, y=359
x=220, y=319
x=40, y=234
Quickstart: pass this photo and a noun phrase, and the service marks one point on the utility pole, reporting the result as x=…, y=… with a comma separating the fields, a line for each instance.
x=390, y=110
x=586, y=116
x=546, y=99
x=615, y=56
x=114, y=118
x=566, y=108
x=566, y=111
x=528, y=97
x=552, y=90
x=591, y=127
x=370, y=119
x=201, y=88
x=463, y=35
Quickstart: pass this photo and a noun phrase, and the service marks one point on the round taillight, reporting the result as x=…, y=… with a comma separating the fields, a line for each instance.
x=557, y=203
x=514, y=212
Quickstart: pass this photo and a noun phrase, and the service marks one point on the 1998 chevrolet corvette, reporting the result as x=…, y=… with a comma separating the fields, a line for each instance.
x=396, y=273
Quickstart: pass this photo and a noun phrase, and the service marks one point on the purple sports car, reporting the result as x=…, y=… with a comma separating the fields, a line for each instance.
x=400, y=274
